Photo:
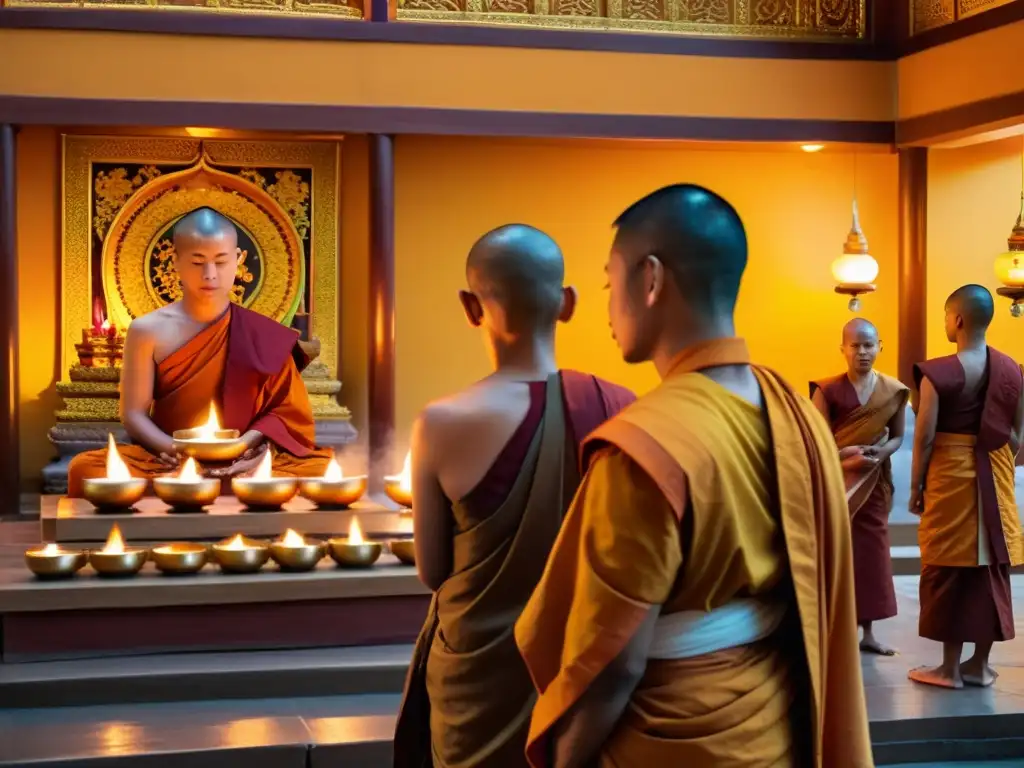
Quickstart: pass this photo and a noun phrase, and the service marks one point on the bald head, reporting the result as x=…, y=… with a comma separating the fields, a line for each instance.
x=204, y=224
x=974, y=306
x=521, y=269
x=859, y=328
x=699, y=238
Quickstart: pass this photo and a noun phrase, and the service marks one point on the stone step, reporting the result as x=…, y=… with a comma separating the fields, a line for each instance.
x=206, y=676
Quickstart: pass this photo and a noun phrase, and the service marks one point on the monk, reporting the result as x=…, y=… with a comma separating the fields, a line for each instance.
x=698, y=605
x=970, y=416
x=867, y=412
x=203, y=349
x=493, y=471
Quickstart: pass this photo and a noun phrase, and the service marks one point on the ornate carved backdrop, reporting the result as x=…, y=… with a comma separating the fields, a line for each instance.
x=351, y=8
x=928, y=14
x=804, y=19
x=122, y=196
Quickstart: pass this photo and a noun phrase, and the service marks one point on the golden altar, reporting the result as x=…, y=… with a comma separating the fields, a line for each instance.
x=121, y=198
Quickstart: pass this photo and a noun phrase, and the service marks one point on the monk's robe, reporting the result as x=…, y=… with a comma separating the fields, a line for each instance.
x=734, y=521
x=250, y=366
x=468, y=696
x=868, y=491
x=970, y=533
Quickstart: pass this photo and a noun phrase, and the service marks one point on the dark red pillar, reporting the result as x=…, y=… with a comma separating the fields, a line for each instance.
x=913, y=269
x=10, y=475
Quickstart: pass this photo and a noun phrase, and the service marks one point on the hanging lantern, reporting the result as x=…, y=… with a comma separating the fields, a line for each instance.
x=855, y=271
x=1010, y=265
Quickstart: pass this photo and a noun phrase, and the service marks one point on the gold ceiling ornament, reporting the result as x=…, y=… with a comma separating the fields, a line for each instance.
x=136, y=237
x=1010, y=264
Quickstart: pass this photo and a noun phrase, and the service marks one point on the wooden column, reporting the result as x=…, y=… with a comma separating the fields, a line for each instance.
x=382, y=309
x=10, y=475
x=913, y=271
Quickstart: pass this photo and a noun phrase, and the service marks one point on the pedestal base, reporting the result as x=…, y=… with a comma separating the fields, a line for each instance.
x=71, y=438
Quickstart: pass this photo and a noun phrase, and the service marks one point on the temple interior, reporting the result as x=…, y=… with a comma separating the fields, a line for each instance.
x=360, y=151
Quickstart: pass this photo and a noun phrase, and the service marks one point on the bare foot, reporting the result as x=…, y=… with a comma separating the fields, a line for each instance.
x=871, y=645
x=977, y=675
x=936, y=676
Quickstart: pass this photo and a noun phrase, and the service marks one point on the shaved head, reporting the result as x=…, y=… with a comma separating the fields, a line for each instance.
x=974, y=305
x=520, y=268
x=699, y=238
x=204, y=224
x=859, y=328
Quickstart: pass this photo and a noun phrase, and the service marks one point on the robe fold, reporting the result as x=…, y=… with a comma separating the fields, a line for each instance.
x=468, y=696
x=970, y=532
x=868, y=492
x=692, y=498
x=249, y=366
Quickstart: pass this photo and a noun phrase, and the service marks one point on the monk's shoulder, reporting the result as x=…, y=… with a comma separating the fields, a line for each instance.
x=892, y=383
x=465, y=411
x=826, y=385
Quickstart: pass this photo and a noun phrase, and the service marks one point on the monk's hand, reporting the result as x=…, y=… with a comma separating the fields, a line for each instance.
x=169, y=460
x=916, y=505
x=245, y=465
x=861, y=461
x=849, y=452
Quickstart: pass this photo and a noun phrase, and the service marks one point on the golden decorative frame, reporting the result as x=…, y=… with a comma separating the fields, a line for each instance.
x=80, y=152
x=239, y=7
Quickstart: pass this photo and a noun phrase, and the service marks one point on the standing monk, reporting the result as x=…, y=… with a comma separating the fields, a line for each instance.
x=493, y=470
x=969, y=421
x=867, y=413
x=203, y=349
x=698, y=605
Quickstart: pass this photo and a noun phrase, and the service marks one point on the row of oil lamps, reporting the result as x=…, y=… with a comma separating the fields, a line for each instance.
x=292, y=552
x=190, y=491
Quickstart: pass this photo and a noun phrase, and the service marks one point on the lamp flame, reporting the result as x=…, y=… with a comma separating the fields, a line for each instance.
x=355, y=533
x=105, y=326
x=116, y=468
x=263, y=470
x=189, y=472
x=209, y=430
x=236, y=543
x=333, y=473
x=115, y=543
x=293, y=539
x=405, y=477
x=50, y=550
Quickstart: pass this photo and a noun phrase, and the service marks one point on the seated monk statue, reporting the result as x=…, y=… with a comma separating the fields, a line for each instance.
x=493, y=471
x=204, y=349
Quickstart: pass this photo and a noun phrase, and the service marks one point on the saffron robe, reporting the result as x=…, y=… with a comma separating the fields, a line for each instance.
x=249, y=365
x=468, y=696
x=868, y=492
x=970, y=532
x=695, y=497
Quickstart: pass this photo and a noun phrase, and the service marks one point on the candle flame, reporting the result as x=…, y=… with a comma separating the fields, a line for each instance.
x=115, y=543
x=293, y=539
x=236, y=543
x=405, y=478
x=333, y=473
x=50, y=550
x=263, y=470
x=189, y=471
x=116, y=468
x=209, y=430
x=355, y=533
x=105, y=326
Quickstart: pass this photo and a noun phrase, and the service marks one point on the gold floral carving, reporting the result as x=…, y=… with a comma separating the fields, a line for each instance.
x=345, y=8
x=929, y=14
x=80, y=152
x=126, y=250
x=781, y=19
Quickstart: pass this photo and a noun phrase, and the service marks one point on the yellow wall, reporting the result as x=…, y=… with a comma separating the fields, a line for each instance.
x=977, y=67
x=466, y=77
x=796, y=207
x=973, y=200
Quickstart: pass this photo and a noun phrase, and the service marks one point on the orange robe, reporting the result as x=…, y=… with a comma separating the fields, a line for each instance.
x=868, y=492
x=970, y=532
x=693, y=500
x=468, y=696
x=248, y=365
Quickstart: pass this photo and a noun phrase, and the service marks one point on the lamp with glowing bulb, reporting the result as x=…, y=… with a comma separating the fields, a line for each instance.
x=855, y=271
x=354, y=551
x=334, y=490
x=294, y=552
x=1010, y=265
x=263, y=492
x=55, y=562
x=240, y=555
x=116, y=559
x=118, y=491
x=209, y=443
x=399, y=487
x=188, y=491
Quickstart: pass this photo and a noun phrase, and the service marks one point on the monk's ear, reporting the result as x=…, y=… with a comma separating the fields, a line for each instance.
x=471, y=306
x=654, y=279
x=569, y=297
